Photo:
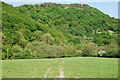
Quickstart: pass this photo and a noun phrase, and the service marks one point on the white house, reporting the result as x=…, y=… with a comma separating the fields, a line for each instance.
x=101, y=52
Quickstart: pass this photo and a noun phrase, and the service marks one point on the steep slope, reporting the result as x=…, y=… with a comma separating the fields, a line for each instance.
x=62, y=29
x=73, y=15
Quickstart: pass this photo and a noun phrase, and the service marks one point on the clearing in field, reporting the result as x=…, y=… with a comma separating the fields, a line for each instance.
x=77, y=67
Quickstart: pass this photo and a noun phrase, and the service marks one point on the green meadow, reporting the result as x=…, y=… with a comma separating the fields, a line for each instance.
x=75, y=67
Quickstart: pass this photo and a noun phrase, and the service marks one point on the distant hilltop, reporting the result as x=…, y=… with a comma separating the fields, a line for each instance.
x=65, y=6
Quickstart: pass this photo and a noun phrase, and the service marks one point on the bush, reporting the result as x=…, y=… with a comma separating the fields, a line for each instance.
x=18, y=56
x=98, y=55
x=41, y=50
x=38, y=35
x=80, y=46
x=112, y=54
x=69, y=50
x=78, y=53
x=4, y=55
x=24, y=55
x=112, y=50
x=76, y=40
x=104, y=55
x=48, y=39
x=91, y=49
x=98, y=40
x=22, y=42
x=7, y=50
x=17, y=49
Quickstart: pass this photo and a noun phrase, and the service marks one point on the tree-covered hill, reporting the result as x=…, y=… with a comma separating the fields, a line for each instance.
x=57, y=30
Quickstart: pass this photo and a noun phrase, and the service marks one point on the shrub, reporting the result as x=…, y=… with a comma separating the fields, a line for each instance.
x=98, y=40
x=48, y=39
x=41, y=50
x=18, y=56
x=80, y=46
x=17, y=49
x=91, y=49
x=22, y=42
x=112, y=54
x=69, y=50
x=104, y=55
x=78, y=53
x=23, y=55
x=4, y=55
x=76, y=40
x=112, y=50
x=38, y=35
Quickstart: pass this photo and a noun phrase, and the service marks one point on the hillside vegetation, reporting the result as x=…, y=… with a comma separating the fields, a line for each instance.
x=53, y=30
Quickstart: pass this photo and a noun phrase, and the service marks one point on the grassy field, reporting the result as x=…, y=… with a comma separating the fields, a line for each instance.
x=77, y=67
x=0, y=69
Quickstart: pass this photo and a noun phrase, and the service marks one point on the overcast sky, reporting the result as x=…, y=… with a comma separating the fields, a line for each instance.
x=109, y=7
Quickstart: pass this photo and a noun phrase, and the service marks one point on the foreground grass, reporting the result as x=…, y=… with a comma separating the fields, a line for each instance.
x=0, y=69
x=77, y=67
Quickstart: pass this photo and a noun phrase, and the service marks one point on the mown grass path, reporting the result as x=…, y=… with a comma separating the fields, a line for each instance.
x=47, y=72
x=75, y=67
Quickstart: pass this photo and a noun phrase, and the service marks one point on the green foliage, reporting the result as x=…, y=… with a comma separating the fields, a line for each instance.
x=112, y=50
x=112, y=54
x=48, y=39
x=91, y=49
x=55, y=30
x=4, y=56
x=98, y=41
x=76, y=40
x=78, y=53
x=17, y=49
x=38, y=35
x=24, y=55
x=40, y=50
x=104, y=55
x=69, y=50
x=77, y=31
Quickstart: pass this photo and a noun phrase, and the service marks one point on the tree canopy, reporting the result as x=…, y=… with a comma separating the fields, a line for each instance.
x=56, y=30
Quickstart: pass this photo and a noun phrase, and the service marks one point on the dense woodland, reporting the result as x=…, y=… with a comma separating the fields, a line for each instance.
x=53, y=30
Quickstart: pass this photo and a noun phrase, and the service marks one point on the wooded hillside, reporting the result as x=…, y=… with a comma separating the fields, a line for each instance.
x=53, y=30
